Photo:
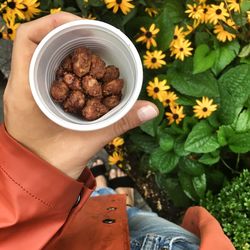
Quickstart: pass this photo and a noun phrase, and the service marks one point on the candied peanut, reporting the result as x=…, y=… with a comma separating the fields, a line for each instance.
x=112, y=88
x=67, y=64
x=81, y=61
x=97, y=69
x=59, y=91
x=111, y=74
x=75, y=102
x=111, y=101
x=91, y=86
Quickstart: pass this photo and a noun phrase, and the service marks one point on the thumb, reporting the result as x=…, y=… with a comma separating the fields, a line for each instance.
x=141, y=112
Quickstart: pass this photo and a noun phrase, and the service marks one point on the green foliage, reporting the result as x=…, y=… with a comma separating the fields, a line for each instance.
x=232, y=208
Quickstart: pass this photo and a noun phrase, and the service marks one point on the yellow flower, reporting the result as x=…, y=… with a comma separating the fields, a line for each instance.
x=115, y=159
x=151, y=11
x=11, y=28
x=178, y=35
x=90, y=17
x=157, y=88
x=176, y=115
x=204, y=16
x=14, y=9
x=234, y=5
x=30, y=9
x=169, y=98
x=117, y=142
x=190, y=28
x=54, y=11
x=148, y=36
x=216, y=13
x=124, y=5
x=194, y=11
x=248, y=16
x=222, y=34
x=204, y=108
x=3, y=33
x=153, y=60
x=181, y=49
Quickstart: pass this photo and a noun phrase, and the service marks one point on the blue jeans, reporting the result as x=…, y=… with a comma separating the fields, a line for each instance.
x=150, y=232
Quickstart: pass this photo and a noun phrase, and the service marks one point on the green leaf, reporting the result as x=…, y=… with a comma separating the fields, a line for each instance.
x=144, y=142
x=224, y=133
x=225, y=55
x=243, y=121
x=164, y=162
x=201, y=139
x=96, y=3
x=209, y=158
x=166, y=26
x=175, y=10
x=245, y=51
x=179, y=146
x=203, y=58
x=186, y=182
x=200, y=185
x=234, y=91
x=240, y=143
x=166, y=142
x=191, y=167
x=181, y=77
x=245, y=5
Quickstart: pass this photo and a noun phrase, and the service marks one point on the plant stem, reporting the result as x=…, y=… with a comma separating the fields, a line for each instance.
x=237, y=162
x=232, y=170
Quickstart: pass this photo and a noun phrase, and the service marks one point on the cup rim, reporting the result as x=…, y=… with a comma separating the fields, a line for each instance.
x=120, y=113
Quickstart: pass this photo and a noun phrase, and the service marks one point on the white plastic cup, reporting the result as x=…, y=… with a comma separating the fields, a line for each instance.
x=113, y=46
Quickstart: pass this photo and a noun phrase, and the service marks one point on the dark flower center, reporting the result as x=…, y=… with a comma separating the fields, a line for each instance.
x=119, y=163
x=237, y=1
x=175, y=116
x=167, y=101
x=118, y=1
x=112, y=147
x=25, y=8
x=1, y=35
x=9, y=31
x=156, y=89
x=153, y=60
x=4, y=11
x=181, y=49
x=148, y=34
x=205, y=10
x=218, y=12
x=175, y=37
x=11, y=5
x=194, y=9
x=204, y=109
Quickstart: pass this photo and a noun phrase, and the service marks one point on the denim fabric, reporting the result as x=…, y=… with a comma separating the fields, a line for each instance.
x=148, y=231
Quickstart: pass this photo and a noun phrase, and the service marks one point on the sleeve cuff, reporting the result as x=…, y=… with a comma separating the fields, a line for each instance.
x=39, y=179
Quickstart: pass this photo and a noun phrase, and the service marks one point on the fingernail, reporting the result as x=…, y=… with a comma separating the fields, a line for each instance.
x=147, y=113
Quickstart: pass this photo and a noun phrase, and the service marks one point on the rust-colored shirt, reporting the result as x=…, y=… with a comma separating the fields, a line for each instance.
x=41, y=208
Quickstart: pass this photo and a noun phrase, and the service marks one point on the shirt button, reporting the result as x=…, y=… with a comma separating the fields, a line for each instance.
x=111, y=208
x=109, y=221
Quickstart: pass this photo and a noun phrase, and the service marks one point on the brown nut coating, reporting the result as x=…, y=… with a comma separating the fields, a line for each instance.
x=97, y=69
x=81, y=61
x=111, y=101
x=94, y=109
x=111, y=74
x=68, y=78
x=91, y=86
x=67, y=64
x=59, y=91
x=112, y=88
x=75, y=102
x=60, y=73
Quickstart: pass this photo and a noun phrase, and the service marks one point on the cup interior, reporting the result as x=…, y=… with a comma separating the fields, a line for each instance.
x=102, y=39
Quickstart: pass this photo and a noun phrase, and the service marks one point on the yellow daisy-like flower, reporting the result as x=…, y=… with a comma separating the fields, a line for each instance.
x=3, y=33
x=179, y=34
x=194, y=11
x=204, y=17
x=191, y=28
x=176, y=115
x=157, y=89
x=222, y=34
x=202, y=1
x=234, y=5
x=181, y=49
x=169, y=98
x=31, y=9
x=151, y=11
x=11, y=28
x=117, y=142
x=13, y=9
x=124, y=5
x=56, y=10
x=248, y=16
x=148, y=36
x=115, y=159
x=153, y=60
x=216, y=13
x=204, y=108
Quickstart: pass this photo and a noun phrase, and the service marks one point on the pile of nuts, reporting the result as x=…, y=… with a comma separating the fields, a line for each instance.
x=85, y=86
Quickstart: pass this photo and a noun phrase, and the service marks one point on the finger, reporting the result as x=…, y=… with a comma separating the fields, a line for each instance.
x=141, y=112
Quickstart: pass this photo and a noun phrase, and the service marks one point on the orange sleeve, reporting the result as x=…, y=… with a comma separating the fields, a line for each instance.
x=36, y=199
x=200, y=222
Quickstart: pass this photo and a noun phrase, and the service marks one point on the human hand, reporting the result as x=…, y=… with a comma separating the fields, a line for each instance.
x=65, y=149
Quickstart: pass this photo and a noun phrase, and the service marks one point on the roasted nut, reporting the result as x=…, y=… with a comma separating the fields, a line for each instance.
x=60, y=73
x=68, y=78
x=81, y=61
x=97, y=69
x=111, y=101
x=112, y=88
x=59, y=91
x=94, y=109
x=91, y=86
x=111, y=74
x=67, y=64
x=75, y=102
